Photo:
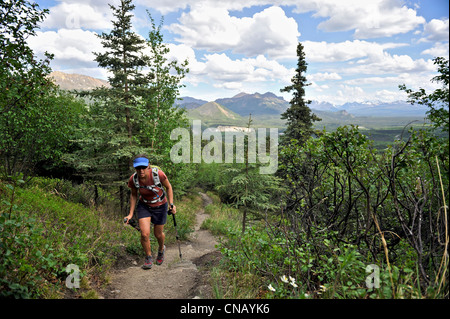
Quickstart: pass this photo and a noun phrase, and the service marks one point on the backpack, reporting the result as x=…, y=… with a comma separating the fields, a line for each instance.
x=154, y=188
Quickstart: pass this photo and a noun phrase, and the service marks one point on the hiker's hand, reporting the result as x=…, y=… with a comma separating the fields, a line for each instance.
x=173, y=210
x=128, y=218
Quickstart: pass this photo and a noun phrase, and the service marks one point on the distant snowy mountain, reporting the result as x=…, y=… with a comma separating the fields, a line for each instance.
x=383, y=109
x=323, y=106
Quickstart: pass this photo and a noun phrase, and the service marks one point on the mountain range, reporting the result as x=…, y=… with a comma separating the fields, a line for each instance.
x=270, y=104
x=243, y=103
x=256, y=104
x=238, y=107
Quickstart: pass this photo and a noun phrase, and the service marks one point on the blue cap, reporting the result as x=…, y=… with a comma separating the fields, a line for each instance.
x=140, y=161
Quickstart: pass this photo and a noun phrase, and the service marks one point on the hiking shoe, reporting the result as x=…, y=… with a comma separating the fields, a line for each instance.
x=160, y=258
x=148, y=263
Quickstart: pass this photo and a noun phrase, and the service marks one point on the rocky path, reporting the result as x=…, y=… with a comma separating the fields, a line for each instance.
x=174, y=279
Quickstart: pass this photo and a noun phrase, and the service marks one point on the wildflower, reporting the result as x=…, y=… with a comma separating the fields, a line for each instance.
x=271, y=288
x=322, y=289
x=293, y=284
x=284, y=279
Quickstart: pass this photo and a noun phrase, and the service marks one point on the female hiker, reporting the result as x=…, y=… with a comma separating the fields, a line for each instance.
x=152, y=205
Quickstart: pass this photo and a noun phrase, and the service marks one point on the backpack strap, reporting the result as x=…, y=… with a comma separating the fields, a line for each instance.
x=155, y=174
x=136, y=181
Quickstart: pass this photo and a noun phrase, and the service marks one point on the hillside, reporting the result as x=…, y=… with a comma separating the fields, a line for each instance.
x=213, y=113
x=256, y=104
x=76, y=81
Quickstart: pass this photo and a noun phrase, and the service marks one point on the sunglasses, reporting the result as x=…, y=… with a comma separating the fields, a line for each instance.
x=140, y=167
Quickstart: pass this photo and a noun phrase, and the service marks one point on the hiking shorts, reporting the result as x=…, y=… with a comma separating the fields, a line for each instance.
x=157, y=214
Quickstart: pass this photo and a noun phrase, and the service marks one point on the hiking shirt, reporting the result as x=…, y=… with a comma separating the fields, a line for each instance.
x=147, y=193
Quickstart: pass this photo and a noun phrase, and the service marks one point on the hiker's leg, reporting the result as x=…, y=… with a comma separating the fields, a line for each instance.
x=144, y=224
x=160, y=236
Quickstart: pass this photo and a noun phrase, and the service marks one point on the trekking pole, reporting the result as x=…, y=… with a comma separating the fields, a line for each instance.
x=176, y=231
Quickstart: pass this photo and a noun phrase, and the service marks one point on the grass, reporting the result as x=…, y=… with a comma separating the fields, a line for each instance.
x=222, y=217
x=235, y=285
x=226, y=283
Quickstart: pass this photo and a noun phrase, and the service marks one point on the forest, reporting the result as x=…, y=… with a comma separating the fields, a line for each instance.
x=339, y=219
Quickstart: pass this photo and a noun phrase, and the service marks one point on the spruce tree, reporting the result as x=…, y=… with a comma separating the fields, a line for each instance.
x=299, y=120
x=298, y=116
x=110, y=139
x=124, y=59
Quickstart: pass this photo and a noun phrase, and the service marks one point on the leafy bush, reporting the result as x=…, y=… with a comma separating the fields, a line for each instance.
x=28, y=262
x=374, y=201
x=315, y=269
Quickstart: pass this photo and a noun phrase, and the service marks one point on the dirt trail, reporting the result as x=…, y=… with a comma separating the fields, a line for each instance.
x=173, y=279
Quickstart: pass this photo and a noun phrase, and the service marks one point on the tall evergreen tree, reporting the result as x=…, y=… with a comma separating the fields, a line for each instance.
x=299, y=120
x=110, y=138
x=299, y=116
x=124, y=59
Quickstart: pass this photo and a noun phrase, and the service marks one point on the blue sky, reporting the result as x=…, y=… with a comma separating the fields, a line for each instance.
x=356, y=50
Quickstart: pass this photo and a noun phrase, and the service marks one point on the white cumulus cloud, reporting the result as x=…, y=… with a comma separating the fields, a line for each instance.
x=364, y=57
x=229, y=73
x=437, y=30
x=268, y=32
x=83, y=14
x=318, y=77
x=341, y=51
x=70, y=47
x=439, y=49
x=368, y=19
